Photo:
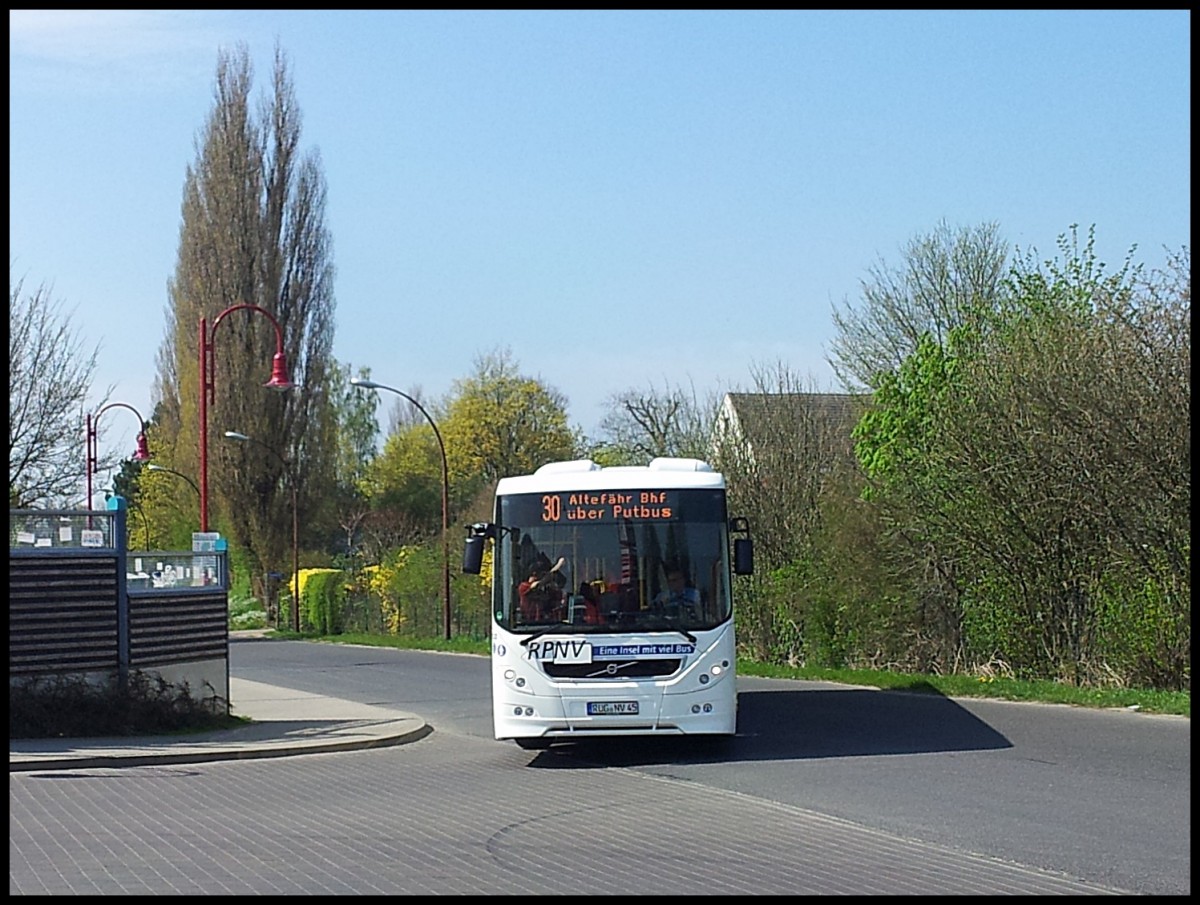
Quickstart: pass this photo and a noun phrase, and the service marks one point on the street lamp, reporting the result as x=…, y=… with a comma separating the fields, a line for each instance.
x=291, y=474
x=134, y=504
x=141, y=454
x=179, y=474
x=372, y=385
x=279, y=381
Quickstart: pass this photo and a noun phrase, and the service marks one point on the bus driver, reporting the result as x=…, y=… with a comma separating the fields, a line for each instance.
x=679, y=596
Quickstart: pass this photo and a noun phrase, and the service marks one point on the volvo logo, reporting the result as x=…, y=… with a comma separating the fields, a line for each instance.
x=610, y=669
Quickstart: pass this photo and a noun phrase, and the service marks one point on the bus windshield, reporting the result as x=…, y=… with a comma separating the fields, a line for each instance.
x=615, y=561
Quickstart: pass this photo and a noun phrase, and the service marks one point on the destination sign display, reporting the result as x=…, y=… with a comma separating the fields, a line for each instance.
x=596, y=507
x=609, y=505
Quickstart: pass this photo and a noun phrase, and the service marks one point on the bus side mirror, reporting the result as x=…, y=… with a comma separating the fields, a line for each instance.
x=477, y=536
x=473, y=555
x=743, y=556
x=743, y=547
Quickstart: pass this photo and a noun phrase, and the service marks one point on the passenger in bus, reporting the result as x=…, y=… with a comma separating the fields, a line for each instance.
x=621, y=602
x=562, y=570
x=540, y=594
x=679, y=596
x=591, y=603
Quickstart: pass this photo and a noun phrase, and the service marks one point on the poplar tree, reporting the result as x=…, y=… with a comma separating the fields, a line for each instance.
x=252, y=232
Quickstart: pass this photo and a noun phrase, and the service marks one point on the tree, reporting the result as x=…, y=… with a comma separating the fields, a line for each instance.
x=643, y=424
x=400, y=488
x=945, y=278
x=500, y=422
x=49, y=379
x=253, y=233
x=917, y=492
x=356, y=438
x=403, y=414
x=1039, y=453
x=777, y=465
x=942, y=278
x=405, y=486
x=780, y=460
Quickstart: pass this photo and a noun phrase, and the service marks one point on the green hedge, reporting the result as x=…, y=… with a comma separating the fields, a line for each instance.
x=323, y=600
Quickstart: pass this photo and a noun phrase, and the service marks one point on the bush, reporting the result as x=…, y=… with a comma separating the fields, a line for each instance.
x=246, y=612
x=69, y=706
x=322, y=599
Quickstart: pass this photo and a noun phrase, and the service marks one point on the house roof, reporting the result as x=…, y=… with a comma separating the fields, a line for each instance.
x=752, y=415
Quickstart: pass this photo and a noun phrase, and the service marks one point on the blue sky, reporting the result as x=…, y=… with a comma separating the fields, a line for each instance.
x=622, y=199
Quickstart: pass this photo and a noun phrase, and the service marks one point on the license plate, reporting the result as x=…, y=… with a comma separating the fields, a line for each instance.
x=612, y=708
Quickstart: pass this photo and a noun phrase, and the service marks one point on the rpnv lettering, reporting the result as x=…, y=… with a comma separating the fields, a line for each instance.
x=574, y=649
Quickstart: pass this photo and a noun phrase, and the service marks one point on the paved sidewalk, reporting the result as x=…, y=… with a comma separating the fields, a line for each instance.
x=285, y=722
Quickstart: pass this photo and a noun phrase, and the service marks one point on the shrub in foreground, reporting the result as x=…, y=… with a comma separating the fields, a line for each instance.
x=70, y=706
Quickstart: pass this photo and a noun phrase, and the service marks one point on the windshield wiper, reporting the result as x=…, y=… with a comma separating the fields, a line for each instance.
x=565, y=628
x=663, y=626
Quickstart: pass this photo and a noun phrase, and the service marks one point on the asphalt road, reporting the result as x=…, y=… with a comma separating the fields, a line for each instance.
x=826, y=790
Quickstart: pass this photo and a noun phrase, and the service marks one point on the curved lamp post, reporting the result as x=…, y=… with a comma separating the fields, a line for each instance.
x=179, y=474
x=141, y=454
x=145, y=521
x=372, y=385
x=291, y=476
x=279, y=381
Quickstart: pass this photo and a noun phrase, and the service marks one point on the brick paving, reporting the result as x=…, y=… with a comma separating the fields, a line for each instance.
x=454, y=814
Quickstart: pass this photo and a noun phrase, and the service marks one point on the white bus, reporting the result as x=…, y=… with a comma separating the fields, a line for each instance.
x=612, y=602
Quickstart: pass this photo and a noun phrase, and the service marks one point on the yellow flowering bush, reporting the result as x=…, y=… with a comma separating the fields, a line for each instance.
x=404, y=592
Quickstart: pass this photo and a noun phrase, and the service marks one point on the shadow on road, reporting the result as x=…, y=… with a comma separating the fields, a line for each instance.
x=788, y=725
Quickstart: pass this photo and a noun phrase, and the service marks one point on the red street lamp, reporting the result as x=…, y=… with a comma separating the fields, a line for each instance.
x=279, y=381
x=291, y=475
x=372, y=385
x=141, y=454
